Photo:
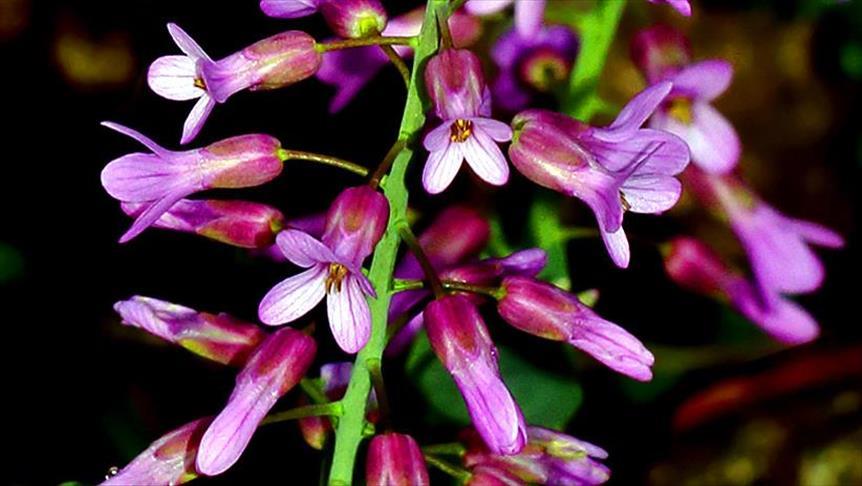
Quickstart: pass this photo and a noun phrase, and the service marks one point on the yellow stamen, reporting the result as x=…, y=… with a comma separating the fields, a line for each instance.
x=199, y=83
x=680, y=109
x=461, y=130
x=337, y=273
x=626, y=205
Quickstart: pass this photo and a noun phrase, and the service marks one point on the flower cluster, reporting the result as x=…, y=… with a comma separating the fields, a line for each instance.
x=638, y=163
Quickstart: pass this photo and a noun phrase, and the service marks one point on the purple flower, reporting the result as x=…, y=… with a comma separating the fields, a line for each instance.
x=457, y=89
x=349, y=70
x=159, y=180
x=615, y=169
x=347, y=18
x=528, y=13
x=274, y=368
x=274, y=62
x=663, y=54
x=681, y=6
x=218, y=337
x=531, y=65
x=461, y=341
x=549, y=312
x=169, y=460
x=694, y=266
x=355, y=223
x=238, y=223
x=548, y=458
x=395, y=460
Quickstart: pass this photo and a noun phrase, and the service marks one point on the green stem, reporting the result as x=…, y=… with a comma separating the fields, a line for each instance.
x=456, y=472
x=312, y=389
x=351, y=425
x=333, y=408
x=285, y=155
x=364, y=42
x=450, y=449
x=399, y=64
x=427, y=268
x=493, y=292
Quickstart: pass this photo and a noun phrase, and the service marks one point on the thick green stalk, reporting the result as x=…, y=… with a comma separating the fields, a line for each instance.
x=351, y=425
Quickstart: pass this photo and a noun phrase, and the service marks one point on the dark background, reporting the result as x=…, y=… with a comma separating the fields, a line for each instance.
x=84, y=393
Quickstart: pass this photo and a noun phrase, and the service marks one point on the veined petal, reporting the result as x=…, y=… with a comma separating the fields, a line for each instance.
x=145, y=177
x=493, y=410
x=196, y=118
x=294, y=297
x=713, y=141
x=173, y=77
x=704, y=80
x=289, y=9
x=618, y=247
x=781, y=318
x=614, y=347
x=349, y=317
x=635, y=113
x=651, y=193
x=497, y=130
x=438, y=138
x=486, y=7
x=186, y=43
x=441, y=168
x=655, y=151
x=153, y=213
x=140, y=137
x=302, y=249
x=815, y=233
x=485, y=157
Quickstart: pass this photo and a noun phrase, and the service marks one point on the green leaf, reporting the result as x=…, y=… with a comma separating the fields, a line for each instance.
x=546, y=398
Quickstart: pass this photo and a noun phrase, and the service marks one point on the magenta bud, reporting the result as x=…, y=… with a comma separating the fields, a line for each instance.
x=273, y=369
x=271, y=63
x=460, y=339
x=315, y=431
x=169, y=460
x=237, y=223
x=456, y=84
x=528, y=262
x=546, y=311
x=219, y=337
x=355, y=223
x=694, y=266
x=660, y=51
x=353, y=19
x=395, y=460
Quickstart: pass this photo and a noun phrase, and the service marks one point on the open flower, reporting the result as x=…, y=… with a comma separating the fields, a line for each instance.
x=614, y=169
x=461, y=99
x=355, y=223
x=462, y=343
x=274, y=62
x=156, y=182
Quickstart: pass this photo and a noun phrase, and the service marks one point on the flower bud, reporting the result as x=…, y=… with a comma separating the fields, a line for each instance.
x=355, y=223
x=274, y=368
x=462, y=343
x=220, y=338
x=660, y=51
x=237, y=223
x=274, y=62
x=353, y=19
x=395, y=460
x=456, y=85
x=169, y=460
x=694, y=266
x=546, y=311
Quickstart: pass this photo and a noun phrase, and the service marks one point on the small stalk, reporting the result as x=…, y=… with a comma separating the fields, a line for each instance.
x=399, y=64
x=386, y=163
x=365, y=42
x=450, y=449
x=494, y=292
x=327, y=409
x=401, y=285
x=374, y=367
x=286, y=155
x=462, y=475
x=312, y=389
x=433, y=280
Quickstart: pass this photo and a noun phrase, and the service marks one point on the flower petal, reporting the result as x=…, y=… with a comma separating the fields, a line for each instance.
x=654, y=151
x=529, y=16
x=293, y=297
x=485, y=157
x=140, y=137
x=153, y=213
x=196, y=118
x=618, y=247
x=635, y=113
x=349, y=317
x=141, y=177
x=815, y=233
x=441, y=168
x=781, y=318
x=493, y=410
x=186, y=43
x=173, y=77
x=651, y=193
x=704, y=80
x=438, y=139
x=497, y=130
x=289, y=9
x=486, y=7
x=613, y=346
x=302, y=249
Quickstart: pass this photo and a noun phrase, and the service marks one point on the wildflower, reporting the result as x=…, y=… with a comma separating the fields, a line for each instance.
x=238, y=223
x=347, y=18
x=461, y=342
x=549, y=312
x=615, y=169
x=159, y=180
x=354, y=224
x=532, y=65
x=549, y=457
x=274, y=368
x=681, y=6
x=457, y=89
x=694, y=266
x=395, y=460
x=169, y=460
x=663, y=54
x=218, y=337
x=271, y=63
x=528, y=14
x=350, y=70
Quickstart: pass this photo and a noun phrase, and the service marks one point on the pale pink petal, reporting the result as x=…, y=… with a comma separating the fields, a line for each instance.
x=294, y=297
x=289, y=9
x=441, y=168
x=667, y=153
x=196, y=118
x=140, y=137
x=815, y=233
x=438, y=139
x=497, y=130
x=302, y=249
x=186, y=43
x=153, y=213
x=618, y=247
x=635, y=113
x=349, y=316
x=713, y=141
x=486, y=7
x=781, y=318
x=651, y=193
x=704, y=80
x=614, y=347
x=529, y=16
x=141, y=177
x=173, y=77
x=485, y=158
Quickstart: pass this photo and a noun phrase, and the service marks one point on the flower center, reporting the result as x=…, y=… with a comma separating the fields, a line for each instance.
x=545, y=69
x=199, y=83
x=680, y=109
x=337, y=273
x=461, y=130
x=626, y=204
